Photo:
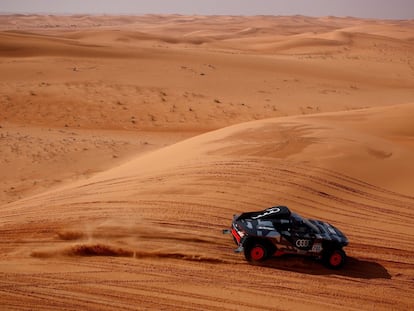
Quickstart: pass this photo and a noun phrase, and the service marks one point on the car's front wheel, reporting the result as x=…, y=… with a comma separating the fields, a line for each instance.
x=335, y=259
x=256, y=251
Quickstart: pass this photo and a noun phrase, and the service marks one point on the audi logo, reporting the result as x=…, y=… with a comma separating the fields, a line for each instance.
x=302, y=243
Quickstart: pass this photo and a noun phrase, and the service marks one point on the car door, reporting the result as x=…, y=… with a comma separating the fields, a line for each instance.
x=301, y=235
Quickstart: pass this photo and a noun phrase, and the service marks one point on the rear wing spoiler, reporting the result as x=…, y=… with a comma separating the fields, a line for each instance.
x=269, y=213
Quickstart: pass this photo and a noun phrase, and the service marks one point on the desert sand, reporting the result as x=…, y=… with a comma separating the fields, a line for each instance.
x=127, y=143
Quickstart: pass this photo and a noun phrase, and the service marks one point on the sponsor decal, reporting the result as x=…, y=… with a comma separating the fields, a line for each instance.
x=273, y=210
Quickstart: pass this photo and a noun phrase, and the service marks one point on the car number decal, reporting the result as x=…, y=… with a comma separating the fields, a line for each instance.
x=317, y=247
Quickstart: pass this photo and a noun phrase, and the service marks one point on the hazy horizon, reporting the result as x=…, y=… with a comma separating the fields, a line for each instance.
x=382, y=9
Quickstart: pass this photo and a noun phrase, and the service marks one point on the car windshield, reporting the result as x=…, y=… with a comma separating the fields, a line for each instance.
x=301, y=220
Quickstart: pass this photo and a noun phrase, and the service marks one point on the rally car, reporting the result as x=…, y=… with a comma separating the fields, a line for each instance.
x=277, y=231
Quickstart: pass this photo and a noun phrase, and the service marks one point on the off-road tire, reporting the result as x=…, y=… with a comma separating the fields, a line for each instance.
x=257, y=251
x=334, y=259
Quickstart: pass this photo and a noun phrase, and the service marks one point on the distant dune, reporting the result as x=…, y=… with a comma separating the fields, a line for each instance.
x=127, y=143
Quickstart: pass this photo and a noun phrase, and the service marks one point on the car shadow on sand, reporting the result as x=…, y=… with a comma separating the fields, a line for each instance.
x=353, y=268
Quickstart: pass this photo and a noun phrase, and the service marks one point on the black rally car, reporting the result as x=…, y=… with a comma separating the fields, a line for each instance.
x=276, y=231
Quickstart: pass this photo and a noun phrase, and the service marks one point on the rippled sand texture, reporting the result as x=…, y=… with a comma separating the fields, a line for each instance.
x=127, y=144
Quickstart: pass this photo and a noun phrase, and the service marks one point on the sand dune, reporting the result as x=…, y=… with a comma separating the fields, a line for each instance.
x=127, y=144
x=170, y=205
x=29, y=45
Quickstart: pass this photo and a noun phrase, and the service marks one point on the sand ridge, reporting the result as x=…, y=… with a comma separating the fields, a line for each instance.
x=128, y=142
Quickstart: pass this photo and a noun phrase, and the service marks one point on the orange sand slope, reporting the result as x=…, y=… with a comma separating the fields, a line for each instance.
x=112, y=199
x=177, y=74
x=158, y=218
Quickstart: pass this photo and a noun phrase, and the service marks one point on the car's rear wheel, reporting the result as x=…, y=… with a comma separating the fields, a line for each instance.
x=335, y=259
x=256, y=251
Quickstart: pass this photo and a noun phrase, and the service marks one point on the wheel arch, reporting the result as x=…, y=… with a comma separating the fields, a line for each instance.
x=250, y=242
